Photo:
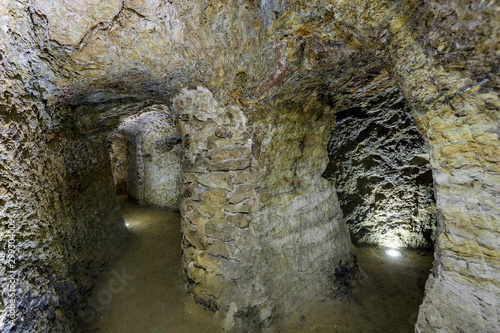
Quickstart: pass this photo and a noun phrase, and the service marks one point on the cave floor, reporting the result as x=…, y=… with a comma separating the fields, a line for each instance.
x=143, y=290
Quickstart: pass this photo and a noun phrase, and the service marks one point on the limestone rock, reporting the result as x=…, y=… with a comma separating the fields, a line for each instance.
x=239, y=220
x=241, y=193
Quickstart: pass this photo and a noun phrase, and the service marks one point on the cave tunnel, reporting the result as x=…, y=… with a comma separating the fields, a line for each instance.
x=282, y=133
x=379, y=164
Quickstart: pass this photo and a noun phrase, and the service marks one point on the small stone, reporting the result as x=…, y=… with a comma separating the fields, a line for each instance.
x=238, y=208
x=223, y=133
x=192, y=191
x=195, y=236
x=195, y=218
x=239, y=220
x=241, y=193
x=206, y=209
x=214, y=141
x=221, y=231
x=236, y=164
x=189, y=177
x=195, y=273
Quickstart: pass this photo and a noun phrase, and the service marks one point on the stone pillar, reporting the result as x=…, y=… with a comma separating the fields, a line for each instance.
x=305, y=243
x=262, y=231
x=218, y=199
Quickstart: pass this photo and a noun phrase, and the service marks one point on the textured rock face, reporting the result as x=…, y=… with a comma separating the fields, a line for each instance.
x=147, y=153
x=379, y=165
x=288, y=66
x=52, y=274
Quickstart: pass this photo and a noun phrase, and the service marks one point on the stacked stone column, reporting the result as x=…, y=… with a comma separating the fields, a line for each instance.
x=254, y=239
x=218, y=196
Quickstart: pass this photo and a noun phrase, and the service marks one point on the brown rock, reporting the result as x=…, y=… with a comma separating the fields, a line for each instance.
x=239, y=220
x=218, y=180
x=229, y=165
x=241, y=193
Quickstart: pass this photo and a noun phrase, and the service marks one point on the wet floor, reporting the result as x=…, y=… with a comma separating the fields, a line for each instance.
x=385, y=301
x=143, y=291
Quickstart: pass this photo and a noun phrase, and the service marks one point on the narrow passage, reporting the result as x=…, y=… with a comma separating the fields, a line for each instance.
x=143, y=291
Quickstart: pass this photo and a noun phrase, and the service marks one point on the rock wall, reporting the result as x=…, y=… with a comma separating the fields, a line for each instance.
x=60, y=220
x=379, y=164
x=73, y=206
x=451, y=78
x=151, y=151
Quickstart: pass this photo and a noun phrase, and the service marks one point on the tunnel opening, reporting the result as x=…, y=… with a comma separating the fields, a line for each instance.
x=146, y=158
x=379, y=166
x=144, y=279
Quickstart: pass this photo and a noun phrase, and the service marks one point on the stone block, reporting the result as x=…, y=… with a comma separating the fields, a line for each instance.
x=243, y=207
x=195, y=236
x=195, y=218
x=189, y=177
x=195, y=273
x=215, y=141
x=204, y=208
x=219, y=180
x=207, y=262
x=229, y=153
x=223, y=133
x=239, y=220
x=192, y=191
x=200, y=164
x=217, y=230
x=236, y=164
x=250, y=175
x=241, y=193
x=188, y=253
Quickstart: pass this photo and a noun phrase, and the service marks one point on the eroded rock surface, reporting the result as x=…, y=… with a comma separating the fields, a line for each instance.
x=379, y=164
x=234, y=199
